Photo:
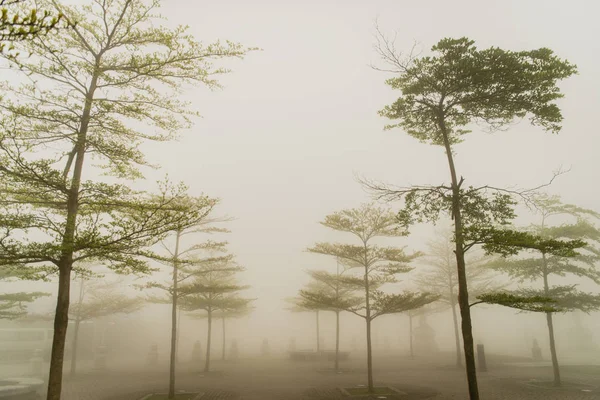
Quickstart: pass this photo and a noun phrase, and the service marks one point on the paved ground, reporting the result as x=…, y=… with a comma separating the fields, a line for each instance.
x=276, y=379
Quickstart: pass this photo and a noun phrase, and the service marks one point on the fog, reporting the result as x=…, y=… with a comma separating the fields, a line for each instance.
x=295, y=126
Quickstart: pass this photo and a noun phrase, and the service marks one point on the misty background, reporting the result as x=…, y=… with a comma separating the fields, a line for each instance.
x=297, y=122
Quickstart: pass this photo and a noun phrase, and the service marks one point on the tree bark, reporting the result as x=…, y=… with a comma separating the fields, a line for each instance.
x=555, y=366
x=223, y=325
x=171, y=394
x=208, y=337
x=463, y=293
x=337, y=341
x=76, y=332
x=318, y=337
x=410, y=335
x=368, y=321
x=65, y=264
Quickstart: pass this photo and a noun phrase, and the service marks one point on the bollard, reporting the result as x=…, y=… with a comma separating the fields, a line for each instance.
x=481, y=358
x=37, y=362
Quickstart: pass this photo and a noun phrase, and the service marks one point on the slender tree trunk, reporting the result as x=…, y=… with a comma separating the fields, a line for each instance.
x=555, y=366
x=208, y=337
x=456, y=336
x=463, y=293
x=74, y=349
x=223, y=325
x=368, y=321
x=65, y=264
x=318, y=337
x=410, y=334
x=178, y=335
x=171, y=394
x=337, y=341
x=76, y=332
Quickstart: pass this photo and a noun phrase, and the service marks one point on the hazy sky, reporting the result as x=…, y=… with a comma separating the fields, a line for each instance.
x=282, y=142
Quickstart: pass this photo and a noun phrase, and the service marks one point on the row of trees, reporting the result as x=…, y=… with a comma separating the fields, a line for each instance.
x=557, y=250
x=71, y=126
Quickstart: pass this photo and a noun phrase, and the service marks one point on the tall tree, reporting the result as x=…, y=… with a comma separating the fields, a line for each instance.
x=336, y=293
x=185, y=260
x=109, y=83
x=567, y=249
x=443, y=94
x=233, y=307
x=377, y=264
x=439, y=275
x=214, y=289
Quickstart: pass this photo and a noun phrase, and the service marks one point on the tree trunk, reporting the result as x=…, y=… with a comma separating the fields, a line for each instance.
x=555, y=367
x=178, y=335
x=76, y=332
x=410, y=335
x=456, y=336
x=337, y=341
x=223, y=325
x=74, y=348
x=171, y=394
x=318, y=337
x=463, y=293
x=368, y=321
x=65, y=264
x=208, y=335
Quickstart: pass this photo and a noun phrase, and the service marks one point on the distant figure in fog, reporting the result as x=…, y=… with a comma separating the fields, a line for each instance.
x=264, y=349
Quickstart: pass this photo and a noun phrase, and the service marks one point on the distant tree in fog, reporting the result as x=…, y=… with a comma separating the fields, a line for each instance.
x=213, y=290
x=185, y=262
x=14, y=305
x=332, y=292
x=439, y=275
x=234, y=307
x=444, y=94
x=299, y=304
x=542, y=251
x=376, y=265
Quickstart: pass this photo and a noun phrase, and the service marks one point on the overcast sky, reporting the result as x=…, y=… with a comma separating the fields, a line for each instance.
x=282, y=142
x=296, y=121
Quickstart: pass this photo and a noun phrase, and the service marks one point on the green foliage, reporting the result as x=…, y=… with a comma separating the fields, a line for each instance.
x=376, y=265
x=12, y=304
x=439, y=275
x=528, y=302
x=543, y=251
x=20, y=23
x=461, y=84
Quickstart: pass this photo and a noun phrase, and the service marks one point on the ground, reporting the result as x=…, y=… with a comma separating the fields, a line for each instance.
x=279, y=378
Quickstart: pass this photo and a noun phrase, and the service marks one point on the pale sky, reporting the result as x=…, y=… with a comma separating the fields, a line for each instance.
x=282, y=142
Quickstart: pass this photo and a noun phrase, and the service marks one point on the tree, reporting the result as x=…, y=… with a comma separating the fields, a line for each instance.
x=333, y=292
x=571, y=248
x=378, y=264
x=213, y=290
x=232, y=307
x=440, y=277
x=300, y=304
x=103, y=300
x=24, y=23
x=14, y=305
x=442, y=96
x=196, y=218
x=108, y=84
